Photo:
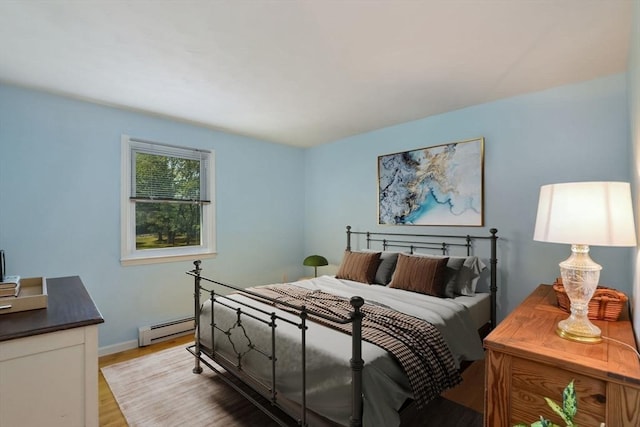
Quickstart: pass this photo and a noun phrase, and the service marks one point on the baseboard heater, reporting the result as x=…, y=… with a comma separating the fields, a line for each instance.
x=165, y=331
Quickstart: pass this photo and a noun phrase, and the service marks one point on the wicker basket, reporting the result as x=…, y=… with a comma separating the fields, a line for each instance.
x=606, y=303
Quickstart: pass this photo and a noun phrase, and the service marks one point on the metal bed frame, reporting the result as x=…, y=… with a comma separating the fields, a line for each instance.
x=213, y=360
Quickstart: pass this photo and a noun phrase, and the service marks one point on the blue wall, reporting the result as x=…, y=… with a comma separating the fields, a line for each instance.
x=60, y=206
x=60, y=187
x=571, y=133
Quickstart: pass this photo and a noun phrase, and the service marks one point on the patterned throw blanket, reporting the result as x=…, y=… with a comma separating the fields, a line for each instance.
x=416, y=344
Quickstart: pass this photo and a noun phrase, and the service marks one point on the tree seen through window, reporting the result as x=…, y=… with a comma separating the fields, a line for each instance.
x=167, y=201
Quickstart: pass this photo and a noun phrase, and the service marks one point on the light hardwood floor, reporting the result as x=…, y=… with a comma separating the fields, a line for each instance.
x=470, y=393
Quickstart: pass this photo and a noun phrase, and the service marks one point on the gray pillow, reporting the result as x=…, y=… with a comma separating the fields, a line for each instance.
x=454, y=265
x=469, y=275
x=388, y=261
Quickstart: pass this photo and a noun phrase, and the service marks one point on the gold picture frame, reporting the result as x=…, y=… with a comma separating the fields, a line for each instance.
x=439, y=185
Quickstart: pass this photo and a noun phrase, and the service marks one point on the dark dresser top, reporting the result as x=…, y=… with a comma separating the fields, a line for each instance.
x=69, y=306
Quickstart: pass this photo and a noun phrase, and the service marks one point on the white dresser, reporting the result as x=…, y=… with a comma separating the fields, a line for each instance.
x=49, y=360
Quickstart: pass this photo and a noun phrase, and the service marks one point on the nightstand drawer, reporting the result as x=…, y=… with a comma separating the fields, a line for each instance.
x=531, y=382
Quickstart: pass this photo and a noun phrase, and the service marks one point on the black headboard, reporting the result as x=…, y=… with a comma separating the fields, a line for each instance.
x=438, y=242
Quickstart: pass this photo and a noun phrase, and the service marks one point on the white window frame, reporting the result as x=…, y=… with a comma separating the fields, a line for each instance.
x=129, y=255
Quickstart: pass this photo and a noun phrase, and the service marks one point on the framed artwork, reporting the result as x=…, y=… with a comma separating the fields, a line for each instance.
x=439, y=185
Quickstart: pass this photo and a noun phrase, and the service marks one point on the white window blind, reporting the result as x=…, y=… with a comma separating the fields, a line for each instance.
x=163, y=172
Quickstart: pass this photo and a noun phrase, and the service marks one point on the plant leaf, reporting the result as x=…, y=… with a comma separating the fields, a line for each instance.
x=569, y=403
x=544, y=423
x=558, y=410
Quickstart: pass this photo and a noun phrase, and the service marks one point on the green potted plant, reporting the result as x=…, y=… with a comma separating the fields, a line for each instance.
x=567, y=411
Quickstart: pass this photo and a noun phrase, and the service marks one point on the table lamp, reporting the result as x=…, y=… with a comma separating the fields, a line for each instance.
x=315, y=261
x=583, y=214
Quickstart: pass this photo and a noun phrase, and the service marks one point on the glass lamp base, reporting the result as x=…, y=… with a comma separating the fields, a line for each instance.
x=580, y=277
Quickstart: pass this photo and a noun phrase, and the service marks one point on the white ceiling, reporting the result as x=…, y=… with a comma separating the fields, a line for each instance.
x=308, y=72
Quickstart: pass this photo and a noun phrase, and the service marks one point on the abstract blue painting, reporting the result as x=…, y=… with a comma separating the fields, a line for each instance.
x=439, y=185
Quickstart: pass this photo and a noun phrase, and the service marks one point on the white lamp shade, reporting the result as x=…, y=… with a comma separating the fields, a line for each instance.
x=588, y=213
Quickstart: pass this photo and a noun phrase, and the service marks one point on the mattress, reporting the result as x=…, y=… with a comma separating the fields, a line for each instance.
x=479, y=307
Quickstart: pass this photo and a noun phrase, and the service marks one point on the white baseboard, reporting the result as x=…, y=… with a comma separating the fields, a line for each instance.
x=116, y=348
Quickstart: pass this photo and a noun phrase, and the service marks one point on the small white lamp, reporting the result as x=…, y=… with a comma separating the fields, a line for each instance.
x=583, y=214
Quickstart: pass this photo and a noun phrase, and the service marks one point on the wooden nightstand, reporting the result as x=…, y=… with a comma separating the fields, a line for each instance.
x=527, y=361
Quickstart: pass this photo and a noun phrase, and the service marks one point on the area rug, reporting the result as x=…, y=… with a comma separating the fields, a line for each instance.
x=160, y=390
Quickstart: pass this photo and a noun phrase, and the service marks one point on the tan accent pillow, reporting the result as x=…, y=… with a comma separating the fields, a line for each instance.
x=359, y=266
x=421, y=274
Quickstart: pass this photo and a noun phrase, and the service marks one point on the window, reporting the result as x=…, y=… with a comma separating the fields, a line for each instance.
x=167, y=202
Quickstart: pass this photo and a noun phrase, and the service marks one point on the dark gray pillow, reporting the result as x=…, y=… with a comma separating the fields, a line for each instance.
x=454, y=266
x=388, y=261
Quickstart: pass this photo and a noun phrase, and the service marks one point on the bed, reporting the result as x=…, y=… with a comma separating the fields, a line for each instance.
x=354, y=347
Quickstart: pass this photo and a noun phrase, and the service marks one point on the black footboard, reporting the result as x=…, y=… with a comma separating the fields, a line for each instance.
x=271, y=320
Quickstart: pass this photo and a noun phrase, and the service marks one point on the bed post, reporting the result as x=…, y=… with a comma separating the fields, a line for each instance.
x=356, y=363
x=197, y=369
x=348, y=238
x=494, y=281
x=303, y=349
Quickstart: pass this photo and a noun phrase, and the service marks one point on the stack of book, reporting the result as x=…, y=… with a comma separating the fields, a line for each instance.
x=10, y=286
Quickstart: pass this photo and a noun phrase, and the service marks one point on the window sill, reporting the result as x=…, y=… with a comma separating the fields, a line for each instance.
x=157, y=259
